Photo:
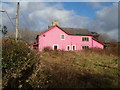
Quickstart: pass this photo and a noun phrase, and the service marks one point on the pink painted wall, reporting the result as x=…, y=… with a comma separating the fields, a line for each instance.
x=97, y=44
x=52, y=37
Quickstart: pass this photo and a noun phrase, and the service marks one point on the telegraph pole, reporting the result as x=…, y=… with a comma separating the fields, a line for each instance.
x=17, y=20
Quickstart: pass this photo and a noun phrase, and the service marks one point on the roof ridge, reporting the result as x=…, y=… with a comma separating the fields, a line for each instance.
x=73, y=28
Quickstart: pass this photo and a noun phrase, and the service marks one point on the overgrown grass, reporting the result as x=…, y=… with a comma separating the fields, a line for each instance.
x=76, y=70
x=58, y=69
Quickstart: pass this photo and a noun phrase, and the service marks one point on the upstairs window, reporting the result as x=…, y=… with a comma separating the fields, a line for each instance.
x=85, y=47
x=85, y=39
x=62, y=37
x=44, y=35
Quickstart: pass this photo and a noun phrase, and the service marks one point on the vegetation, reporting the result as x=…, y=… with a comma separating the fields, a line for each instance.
x=4, y=30
x=24, y=68
x=25, y=34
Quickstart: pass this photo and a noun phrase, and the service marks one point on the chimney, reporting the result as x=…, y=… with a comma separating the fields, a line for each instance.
x=54, y=23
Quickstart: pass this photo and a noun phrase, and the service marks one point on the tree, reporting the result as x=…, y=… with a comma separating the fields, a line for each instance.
x=105, y=38
x=27, y=35
x=4, y=30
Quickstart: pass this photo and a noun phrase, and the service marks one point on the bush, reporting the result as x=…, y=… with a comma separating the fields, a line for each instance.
x=16, y=57
x=57, y=69
x=47, y=49
x=14, y=53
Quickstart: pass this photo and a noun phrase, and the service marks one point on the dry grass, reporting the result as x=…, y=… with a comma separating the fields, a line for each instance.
x=59, y=69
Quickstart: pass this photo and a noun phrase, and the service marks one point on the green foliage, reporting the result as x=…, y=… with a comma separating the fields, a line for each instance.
x=14, y=53
x=4, y=30
x=93, y=68
x=16, y=59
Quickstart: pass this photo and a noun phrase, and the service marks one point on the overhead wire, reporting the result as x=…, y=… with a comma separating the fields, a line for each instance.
x=26, y=20
x=9, y=18
x=35, y=21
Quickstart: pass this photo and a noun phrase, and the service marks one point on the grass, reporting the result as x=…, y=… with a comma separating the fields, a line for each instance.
x=77, y=69
x=58, y=69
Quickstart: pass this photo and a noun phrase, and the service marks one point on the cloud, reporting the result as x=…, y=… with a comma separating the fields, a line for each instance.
x=61, y=0
x=106, y=21
x=37, y=16
x=43, y=14
x=96, y=5
x=10, y=9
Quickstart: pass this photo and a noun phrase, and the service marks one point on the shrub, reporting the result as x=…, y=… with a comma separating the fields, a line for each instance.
x=57, y=69
x=16, y=57
x=14, y=53
x=47, y=49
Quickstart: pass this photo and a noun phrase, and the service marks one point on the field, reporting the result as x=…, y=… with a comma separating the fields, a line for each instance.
x=25, y=68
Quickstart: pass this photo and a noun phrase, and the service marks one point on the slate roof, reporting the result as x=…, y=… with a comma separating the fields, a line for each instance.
x=76, y=31
x=72, y=31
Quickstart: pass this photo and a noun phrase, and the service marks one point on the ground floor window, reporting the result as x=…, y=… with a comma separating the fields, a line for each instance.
x=85, y=47
x=74, y=47
x=55, y=47
x=68, y=47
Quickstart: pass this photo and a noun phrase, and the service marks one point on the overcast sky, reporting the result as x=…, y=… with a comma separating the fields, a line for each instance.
x=101, y=17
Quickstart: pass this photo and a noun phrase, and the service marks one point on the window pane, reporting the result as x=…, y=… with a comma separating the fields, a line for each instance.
x=82, y=47
x=73, y=47
x=68, y=48
x=85, y=38
x=55, y=47
x=82, y=38
x=85, y=47
x=62, y=37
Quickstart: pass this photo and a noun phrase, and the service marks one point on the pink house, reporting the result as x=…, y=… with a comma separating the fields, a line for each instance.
x=59, y=38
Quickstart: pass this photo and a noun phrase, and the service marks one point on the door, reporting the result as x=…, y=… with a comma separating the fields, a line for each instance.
x=55, y=47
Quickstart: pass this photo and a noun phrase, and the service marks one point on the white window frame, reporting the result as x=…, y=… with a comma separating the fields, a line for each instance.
x=72, y=47
x=85, y=45
x=61, y=36
x=67, y=48
x=56, y=45
x=86, y=37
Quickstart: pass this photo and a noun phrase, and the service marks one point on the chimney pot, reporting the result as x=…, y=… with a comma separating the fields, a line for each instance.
x=54, y=23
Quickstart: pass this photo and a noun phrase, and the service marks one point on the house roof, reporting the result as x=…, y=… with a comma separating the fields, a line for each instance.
x=76, y=31
x=72, y=31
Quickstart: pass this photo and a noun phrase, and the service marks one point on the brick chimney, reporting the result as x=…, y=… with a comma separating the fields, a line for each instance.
x=54, y=23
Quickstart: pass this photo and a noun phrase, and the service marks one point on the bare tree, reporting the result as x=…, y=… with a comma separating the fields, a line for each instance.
x=27, y=35
x=105, y=38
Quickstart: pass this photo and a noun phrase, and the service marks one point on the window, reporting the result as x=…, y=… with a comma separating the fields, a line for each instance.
x=68, y=47
x=44, y=35
x=85, y=47
x=62, y=37
x=73, y=47
x=85, y=39
x=55, y=47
